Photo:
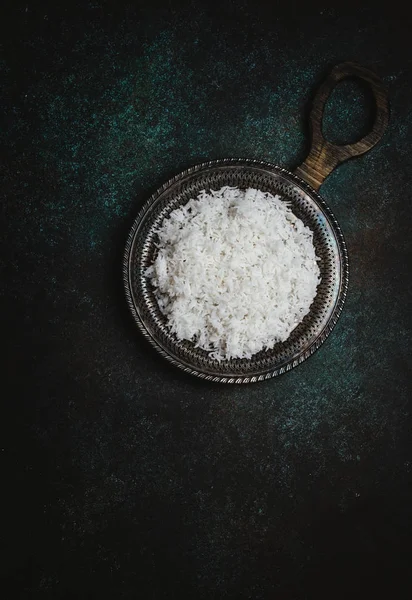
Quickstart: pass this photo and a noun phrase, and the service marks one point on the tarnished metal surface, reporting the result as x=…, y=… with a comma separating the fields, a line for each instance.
x=306, y=204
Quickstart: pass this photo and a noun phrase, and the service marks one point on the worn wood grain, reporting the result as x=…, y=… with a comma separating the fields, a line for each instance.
x=324, y=156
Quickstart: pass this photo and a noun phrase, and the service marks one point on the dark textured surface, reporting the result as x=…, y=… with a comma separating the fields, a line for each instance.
x=124, y=478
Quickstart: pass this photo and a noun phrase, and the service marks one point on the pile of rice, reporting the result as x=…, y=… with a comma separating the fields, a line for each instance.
x=236, y=271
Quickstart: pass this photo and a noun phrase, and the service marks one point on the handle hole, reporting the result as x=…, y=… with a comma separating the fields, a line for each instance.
x=349, y=112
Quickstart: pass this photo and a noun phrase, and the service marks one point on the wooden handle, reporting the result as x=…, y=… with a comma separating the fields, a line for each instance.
x=325, y=156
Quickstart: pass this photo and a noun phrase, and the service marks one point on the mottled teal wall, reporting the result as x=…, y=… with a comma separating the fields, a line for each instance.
x=95, y=121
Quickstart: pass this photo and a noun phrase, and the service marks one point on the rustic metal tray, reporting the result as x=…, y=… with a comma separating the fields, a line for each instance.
x=300, y=189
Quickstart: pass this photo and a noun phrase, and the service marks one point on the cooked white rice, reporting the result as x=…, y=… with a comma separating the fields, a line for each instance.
x=236, y=271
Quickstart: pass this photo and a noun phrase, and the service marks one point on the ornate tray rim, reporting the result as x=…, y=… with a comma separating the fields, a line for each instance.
x=315, y=345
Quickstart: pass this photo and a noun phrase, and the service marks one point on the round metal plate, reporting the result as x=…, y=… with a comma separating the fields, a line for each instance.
x=306, y=204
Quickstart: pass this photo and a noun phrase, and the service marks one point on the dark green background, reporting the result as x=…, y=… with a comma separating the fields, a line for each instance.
x=123, y=477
